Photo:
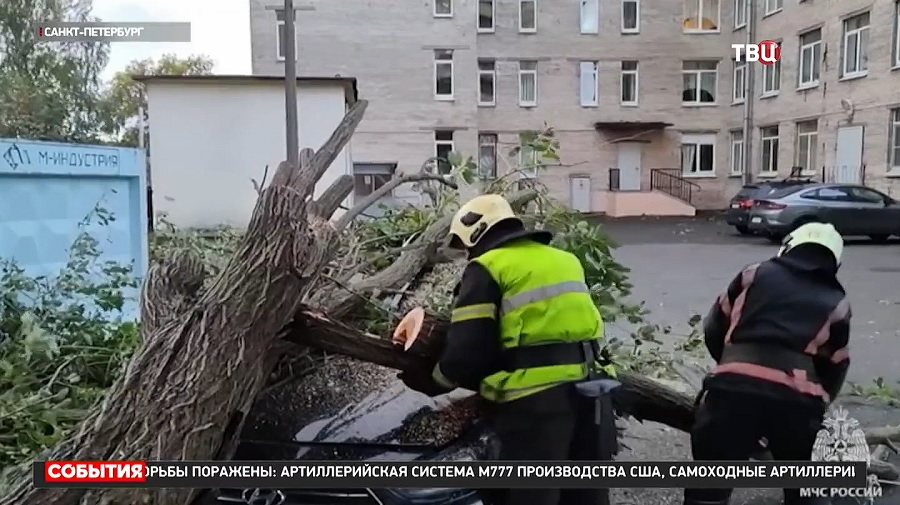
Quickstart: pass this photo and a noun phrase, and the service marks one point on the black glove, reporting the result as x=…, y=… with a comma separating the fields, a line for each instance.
x=422, y=381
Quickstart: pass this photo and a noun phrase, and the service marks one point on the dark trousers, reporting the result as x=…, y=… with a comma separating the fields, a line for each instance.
x=553, y=425
x=729, y=426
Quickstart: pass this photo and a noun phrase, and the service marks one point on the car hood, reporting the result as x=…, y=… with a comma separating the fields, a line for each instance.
x=390, y=421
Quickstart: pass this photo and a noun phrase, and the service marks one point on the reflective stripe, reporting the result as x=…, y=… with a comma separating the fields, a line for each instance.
x=441, y=379
x=542, y=293
x=477, y=311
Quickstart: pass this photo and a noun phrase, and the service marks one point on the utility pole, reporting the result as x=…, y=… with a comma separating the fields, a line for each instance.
x=291, y=126
x=749, y=94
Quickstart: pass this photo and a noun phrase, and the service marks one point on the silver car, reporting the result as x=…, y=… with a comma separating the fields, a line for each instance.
x=854, y=210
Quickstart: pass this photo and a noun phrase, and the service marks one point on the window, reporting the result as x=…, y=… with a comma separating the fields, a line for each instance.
x=855, y=46
x=894, y=140
x=590, y=16
x=487, y=78
x=769, y=137
x=527, y=83
x=588, y=79
x=529, y=161
x=699, y=82
x=740, y=13
x=487, y=155
x=629, y=83
x=773, y=6
x=867, y=195
x=737, y=152
x=829, y=195
x=527, y=16
x=443, y=146
x=701, y=15
x=896, y=48
x=280, y=34
x=810, y=58
x=370, y=177
x=443, y=74
x=486, y=16
x=771, y=78
x=631, y=16
x=698, y=154
x=443, y=8
x=739, y=83
x=807, y=145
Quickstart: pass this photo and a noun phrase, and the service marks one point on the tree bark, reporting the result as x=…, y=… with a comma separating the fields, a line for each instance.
x=192, y=375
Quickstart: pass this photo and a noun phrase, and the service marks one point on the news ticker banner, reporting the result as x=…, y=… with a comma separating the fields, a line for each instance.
x=48, y=31
x=446, y=474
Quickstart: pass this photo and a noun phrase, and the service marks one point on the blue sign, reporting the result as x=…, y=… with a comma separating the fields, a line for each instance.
x=25, y=156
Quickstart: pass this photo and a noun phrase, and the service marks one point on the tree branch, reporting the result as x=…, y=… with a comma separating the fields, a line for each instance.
x=383, y=191
x=327, y=204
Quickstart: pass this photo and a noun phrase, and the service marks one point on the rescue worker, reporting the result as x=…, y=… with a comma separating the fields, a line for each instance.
x=523, y=331
x=779, y=335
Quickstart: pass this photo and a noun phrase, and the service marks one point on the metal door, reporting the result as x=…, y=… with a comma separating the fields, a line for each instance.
x=580, y=193
x=629, y=166
x=848, y=169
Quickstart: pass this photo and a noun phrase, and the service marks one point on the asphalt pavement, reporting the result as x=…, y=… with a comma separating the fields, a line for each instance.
x=680, y=265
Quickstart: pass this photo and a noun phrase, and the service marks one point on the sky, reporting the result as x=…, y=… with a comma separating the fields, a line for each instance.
x=220, y=29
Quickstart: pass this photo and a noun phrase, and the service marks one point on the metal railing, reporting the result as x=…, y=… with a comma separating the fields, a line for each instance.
x=670, y=181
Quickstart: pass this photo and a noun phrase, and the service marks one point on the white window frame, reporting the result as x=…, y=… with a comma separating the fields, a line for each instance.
x=739, y=81
x=637, y=83
x=441, y=62
x=740, y=13
x=862, y=40
x=810, y=157
x=442, y=14
x=522, y=74
x=771, y=144
x=589, y=17
x=815, y=55
x=737, y=152
x=697, y=140
x=488, y=140
x=698, y=75
x=493, y=27
x=637, y=17
x=701, y=16
x=589, y=81
x=773, y=6
x=894, y=142
x=279, y=27
x=771, y=78
x=529, y=29
x=532, y=171
x=493, y=75
x=451, y=143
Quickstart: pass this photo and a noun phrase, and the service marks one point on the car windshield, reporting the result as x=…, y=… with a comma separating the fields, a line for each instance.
x=775, y=193
x=747, y=192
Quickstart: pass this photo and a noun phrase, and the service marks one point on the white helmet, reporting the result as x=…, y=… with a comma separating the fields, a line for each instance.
x=822, y=234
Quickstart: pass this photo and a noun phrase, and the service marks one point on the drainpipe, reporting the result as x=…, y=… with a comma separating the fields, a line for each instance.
x=749, y=95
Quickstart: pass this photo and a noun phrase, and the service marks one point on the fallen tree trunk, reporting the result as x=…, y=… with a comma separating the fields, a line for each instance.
x=195, y=374
x=644, y=398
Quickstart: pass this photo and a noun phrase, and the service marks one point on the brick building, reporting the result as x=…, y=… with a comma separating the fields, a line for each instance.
x=629, y=86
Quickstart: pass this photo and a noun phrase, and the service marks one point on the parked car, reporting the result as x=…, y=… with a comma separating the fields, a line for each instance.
x=738, y=213
x=853, y=209
x=341, y=418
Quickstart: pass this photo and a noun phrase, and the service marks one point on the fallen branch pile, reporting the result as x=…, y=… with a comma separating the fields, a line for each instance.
x=206, y=354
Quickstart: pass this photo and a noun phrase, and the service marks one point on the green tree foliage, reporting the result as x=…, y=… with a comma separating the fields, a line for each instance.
x=125, y=96
x=48, y=90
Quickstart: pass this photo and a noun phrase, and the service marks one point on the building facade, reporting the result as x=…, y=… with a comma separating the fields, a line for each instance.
x=644, y=97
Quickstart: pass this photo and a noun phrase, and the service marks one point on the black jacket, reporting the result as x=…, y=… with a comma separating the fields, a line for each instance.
x=786, y=303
